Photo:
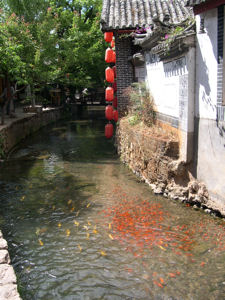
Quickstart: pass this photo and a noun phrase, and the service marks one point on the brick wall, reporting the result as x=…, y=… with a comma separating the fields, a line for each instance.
x=124, y=68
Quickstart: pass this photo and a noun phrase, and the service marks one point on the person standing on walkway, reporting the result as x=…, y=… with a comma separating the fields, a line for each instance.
x=3, y=100
x=7, y=102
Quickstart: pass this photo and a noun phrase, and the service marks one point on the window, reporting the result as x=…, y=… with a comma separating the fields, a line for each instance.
x=223, y=70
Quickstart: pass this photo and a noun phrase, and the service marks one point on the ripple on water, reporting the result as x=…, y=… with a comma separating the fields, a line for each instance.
x=83, y=227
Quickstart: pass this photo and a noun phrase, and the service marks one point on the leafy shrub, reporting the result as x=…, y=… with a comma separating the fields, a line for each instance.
x=133, y=120
x=141, y=104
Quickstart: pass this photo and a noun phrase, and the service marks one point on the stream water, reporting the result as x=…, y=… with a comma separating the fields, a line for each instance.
x=80, y=225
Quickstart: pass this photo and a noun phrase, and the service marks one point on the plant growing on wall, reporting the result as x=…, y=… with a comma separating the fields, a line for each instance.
x=175, y=32
x=141, y=104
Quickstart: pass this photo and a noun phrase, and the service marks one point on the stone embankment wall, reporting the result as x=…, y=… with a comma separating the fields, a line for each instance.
x=8, y=286
x=22, y=127
x=153, y=155
x=11, y=134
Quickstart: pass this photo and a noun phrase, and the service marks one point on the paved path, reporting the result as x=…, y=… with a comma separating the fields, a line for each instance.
x=19, y=114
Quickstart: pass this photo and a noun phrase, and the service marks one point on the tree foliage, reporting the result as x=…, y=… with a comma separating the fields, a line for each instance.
x=17, y=48
x=41, y=41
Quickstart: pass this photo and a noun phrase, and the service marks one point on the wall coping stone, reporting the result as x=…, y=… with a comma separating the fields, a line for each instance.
x=16, y=129
x=8, y=287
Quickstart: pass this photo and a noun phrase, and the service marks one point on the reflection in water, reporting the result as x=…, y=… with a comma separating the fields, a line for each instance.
x=81, y=226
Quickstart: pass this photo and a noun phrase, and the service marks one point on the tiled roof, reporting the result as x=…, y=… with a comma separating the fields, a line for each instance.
x=195, y=2
x=125, y=14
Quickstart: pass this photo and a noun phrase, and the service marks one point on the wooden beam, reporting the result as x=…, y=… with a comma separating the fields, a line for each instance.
x=122, y=31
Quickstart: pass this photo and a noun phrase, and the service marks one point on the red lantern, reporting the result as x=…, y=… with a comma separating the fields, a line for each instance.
x=112, y=43
x=114, y=57
x=114, y=86
x=108, y=130
x=110, y=56
x=114, y=71
x=109, y=114
x=115, y=115
x=109, y=94
x=109, y=75
x=115, y=102
x=108, y=36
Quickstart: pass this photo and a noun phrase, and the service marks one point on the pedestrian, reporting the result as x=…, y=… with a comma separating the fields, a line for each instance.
x=3, y=100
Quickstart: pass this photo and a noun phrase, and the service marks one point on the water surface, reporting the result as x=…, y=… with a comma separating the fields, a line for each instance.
x=80, y=225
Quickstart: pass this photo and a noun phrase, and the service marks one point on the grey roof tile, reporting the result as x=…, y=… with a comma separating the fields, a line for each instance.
x=125, y=14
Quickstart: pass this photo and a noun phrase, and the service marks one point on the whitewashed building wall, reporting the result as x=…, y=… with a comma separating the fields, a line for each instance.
x=206, y=66
x=209, y=120
x=163, y=82
x=172, y=86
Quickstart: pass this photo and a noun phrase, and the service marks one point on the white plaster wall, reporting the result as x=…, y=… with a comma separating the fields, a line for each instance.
x=191, y=61
x=163, y=82
x=210, y=140
x=206, y=66
x=211, y=158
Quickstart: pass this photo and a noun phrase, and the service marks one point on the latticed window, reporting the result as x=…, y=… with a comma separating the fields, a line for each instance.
x=221, y=64
x=223, y=25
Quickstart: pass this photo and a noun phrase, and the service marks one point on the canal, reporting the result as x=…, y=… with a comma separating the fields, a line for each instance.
x=80, y=225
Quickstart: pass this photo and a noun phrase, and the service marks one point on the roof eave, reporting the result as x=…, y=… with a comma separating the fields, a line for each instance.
x=205, y=6
x=177, y=48
x=150, y=40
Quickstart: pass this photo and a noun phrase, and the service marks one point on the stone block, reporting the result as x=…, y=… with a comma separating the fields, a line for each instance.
x=9, y=292
x=3, y=244
x=7, y=275
x=4, y=257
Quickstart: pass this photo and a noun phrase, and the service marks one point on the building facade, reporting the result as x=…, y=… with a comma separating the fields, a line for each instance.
x=209, y=144
x=177, y=48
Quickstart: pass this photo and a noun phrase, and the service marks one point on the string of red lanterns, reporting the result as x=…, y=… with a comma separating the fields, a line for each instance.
x=110, y=76
x=114, y=71
x=110, y=56
x=115, y=115
x=112, y=43
x=109, y=94
x=115, y=102
x=109, y=112
x=108, y=130
x=108, y=36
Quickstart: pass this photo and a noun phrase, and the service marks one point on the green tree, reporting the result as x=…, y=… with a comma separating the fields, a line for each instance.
x=81, y=44
x=17, y=48
x=30, y=10
x=42, y=41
